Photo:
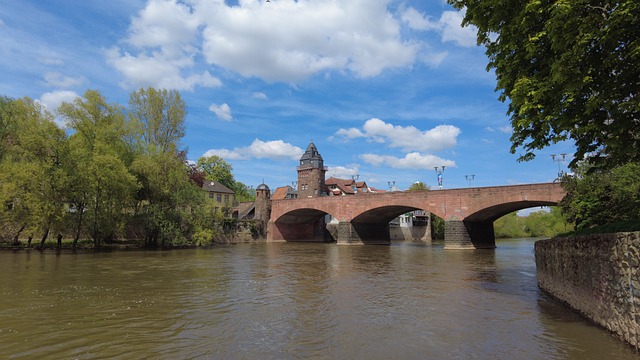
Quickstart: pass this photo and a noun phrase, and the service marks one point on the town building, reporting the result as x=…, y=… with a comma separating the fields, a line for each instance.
x=219, y=195
x=284, y=193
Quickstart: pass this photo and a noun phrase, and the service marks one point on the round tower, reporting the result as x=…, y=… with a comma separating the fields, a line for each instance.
x=263, y=203
x=311, y=174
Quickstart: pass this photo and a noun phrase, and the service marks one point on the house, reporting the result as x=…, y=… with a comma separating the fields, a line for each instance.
x=218, y=194
x=342, y=187
x=284, y=192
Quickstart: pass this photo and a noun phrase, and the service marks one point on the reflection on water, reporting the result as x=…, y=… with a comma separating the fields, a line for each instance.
x=288, y=301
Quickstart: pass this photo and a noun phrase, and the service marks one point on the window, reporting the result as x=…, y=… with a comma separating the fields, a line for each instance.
x=210, y=195
x=226, y=198
x=219, y=198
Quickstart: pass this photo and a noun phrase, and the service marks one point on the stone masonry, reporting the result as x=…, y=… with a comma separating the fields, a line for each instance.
x=597, y=275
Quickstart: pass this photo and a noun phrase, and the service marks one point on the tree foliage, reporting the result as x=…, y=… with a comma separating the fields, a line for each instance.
x=217, y=169
x=537, y=224
x=417, y=186
x=114, y=173
x=32, y=178
x=101, y=184
x=570, y=70
x=159, y=118
x=597, y=198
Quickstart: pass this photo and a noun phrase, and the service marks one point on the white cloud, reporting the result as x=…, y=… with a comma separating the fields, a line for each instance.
x=276, y=149
x=408, y=138
x=53, y=100
x=507, y=129
x=259, y=96
x=223, y=112
x=351, y=133
x=452, y=30
x=343, y=172
x=412, y=160
x=54, y=79
x=292, y=40
x=277, y=41
x=415, y=20
x=503, y=129
x=163, y=36
x=449, y=26
x=166, y=24
x=158, y=71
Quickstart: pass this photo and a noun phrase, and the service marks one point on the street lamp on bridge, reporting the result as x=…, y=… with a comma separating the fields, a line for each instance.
x=439, y=175
x=470, y=178
x=559, y=159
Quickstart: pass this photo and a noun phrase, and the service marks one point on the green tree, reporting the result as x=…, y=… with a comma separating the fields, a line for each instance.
x=243, y=193
x=509, y=226
x=217, y=169
x=101, y=188
x=159, y=116
x=168, y=196
x=570, y=70
x=597, y=197
x=31, y=176
x=417, y=186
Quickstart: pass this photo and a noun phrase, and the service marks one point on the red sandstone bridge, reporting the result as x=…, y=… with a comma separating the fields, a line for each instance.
x=469, y=214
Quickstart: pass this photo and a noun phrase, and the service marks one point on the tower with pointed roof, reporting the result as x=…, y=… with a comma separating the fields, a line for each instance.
x=311, y=174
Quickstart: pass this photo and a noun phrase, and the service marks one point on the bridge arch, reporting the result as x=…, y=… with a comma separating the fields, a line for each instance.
x=305, y=224
x=493, y=213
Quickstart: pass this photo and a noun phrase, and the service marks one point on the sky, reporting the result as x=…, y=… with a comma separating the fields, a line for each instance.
x=386, y=90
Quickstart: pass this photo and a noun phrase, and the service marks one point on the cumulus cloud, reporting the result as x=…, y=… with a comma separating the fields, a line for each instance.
x=53, y=100
x=449, y=26
x=163, y=42
x=408, y=138
x=412, y=160
x=223, y=112
x=343, y=172
x=452, y=29
x=292, y=40
x=158, y=71
x=283, y=40
x=276, y=149
x=54, y=79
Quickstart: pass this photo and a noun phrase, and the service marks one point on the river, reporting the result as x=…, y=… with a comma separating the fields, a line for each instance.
x=290, y=301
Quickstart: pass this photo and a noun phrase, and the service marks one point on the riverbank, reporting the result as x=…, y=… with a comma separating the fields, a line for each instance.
x=598, y=276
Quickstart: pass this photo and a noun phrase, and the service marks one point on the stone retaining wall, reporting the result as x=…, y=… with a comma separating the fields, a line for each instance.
x=597, y=275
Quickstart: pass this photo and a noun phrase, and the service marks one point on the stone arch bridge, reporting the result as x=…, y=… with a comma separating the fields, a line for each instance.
x=468, y=213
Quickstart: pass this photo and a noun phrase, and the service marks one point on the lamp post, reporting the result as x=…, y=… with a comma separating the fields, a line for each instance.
x=392, y=184
x=439, y=175
x=559, y=159
x=470, y=178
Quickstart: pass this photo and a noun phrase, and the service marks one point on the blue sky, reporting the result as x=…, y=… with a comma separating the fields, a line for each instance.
x=385, y=89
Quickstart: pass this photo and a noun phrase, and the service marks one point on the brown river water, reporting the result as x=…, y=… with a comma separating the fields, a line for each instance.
x=290, y=301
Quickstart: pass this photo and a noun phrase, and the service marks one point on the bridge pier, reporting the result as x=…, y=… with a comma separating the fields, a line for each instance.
x=460, y=234
x=347, y=233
